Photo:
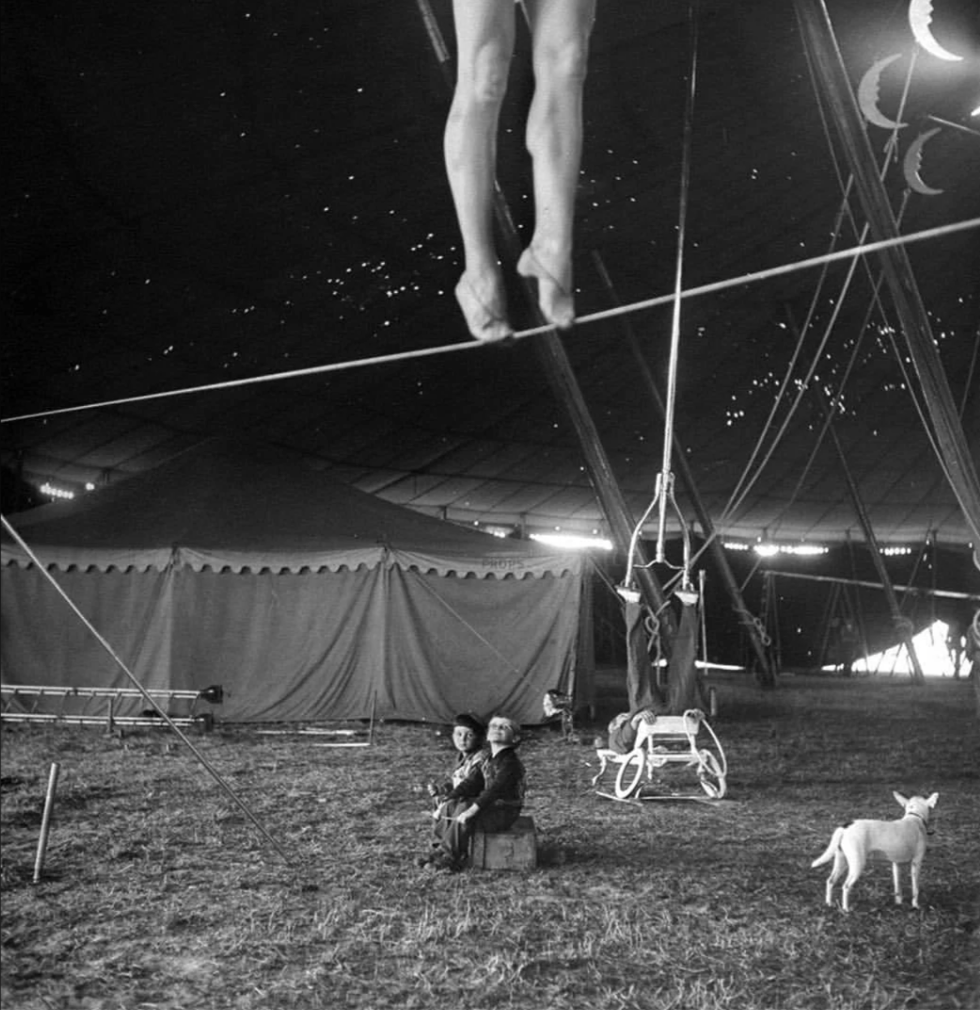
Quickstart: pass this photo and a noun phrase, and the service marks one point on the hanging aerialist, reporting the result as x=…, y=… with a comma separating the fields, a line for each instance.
x=485, y=33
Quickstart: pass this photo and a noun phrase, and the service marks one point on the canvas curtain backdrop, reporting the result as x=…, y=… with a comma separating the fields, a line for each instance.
x=304, y=599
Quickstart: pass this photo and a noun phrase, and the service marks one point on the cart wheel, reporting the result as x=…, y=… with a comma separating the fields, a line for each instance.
x=710, y=775
x=629, y=775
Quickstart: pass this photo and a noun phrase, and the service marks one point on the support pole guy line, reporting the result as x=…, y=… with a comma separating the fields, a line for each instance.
x=212, y=771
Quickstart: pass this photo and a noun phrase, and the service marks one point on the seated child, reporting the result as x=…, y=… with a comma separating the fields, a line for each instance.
x=489, y=798
x=469, y=739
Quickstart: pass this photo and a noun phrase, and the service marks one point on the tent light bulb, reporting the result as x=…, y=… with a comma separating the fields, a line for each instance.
x=52, y=491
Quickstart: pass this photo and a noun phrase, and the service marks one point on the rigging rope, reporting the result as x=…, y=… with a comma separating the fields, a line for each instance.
x=505, y=660
x=212, y=771
x=666, y=481
x=664, y=488
x=890, y=149
x=890, y=153
x=745, y=484
x=619, y=310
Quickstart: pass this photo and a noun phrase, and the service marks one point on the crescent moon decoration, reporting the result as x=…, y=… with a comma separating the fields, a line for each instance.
x=920, y=17
x=913, y=163
x=868, y=95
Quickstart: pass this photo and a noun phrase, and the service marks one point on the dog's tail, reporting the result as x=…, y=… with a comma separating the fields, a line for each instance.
x=831, y=850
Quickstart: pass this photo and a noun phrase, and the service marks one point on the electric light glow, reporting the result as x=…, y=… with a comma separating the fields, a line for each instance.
x=571, y=541
x=768, y=550
x=53, y=491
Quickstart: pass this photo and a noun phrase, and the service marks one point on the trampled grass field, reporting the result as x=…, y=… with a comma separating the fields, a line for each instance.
x=159, y=893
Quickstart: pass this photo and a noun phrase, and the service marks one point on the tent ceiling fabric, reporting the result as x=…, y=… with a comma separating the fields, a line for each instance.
x=200, y=193
x=234, y=507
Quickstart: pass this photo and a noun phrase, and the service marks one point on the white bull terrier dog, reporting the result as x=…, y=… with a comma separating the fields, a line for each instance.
x=901, y=841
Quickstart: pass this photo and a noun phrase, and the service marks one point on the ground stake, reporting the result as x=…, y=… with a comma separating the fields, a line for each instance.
x=42, y=842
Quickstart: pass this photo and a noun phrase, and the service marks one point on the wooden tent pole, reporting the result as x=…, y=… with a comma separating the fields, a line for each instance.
x=943, y=594
x=858, y=609
x=770, y=610
x=902, y=624
x=829, y=612
x=558, y=370
x=562, y=380
x=831, y=75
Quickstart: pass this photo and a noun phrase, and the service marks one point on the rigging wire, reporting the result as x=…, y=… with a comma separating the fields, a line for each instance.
x=505, y=660
x=744, y=487
x=837, y=399
x=890, y=152
x=968, y=385
x=212, y=771
x=740, y=493
x=745, y=483
x=666, y=478
x=664, y=488
x=618, y=310
x=833, y=407
x=737, y=495
x=909, y=384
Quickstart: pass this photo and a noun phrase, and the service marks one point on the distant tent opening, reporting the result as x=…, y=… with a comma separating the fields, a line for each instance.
x=940, y=654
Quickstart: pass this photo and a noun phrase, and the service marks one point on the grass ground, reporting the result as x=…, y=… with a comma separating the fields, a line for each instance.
x=159, y=893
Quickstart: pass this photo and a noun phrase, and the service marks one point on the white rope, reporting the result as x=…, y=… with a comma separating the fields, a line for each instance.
x=666, y=482
x=890, y=153
x=761, y=275
x=506, y=660
x=619, y=310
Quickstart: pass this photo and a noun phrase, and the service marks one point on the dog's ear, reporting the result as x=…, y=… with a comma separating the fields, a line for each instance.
x=931, y=802
x=902, y=801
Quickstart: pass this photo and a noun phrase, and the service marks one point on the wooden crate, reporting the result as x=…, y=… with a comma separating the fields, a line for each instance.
x=514, y=849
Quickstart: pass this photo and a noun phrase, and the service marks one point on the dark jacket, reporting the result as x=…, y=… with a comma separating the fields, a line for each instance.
x=499, y=781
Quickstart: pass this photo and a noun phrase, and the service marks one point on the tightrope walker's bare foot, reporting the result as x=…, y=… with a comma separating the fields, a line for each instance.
x=486, y=318
x=554, y=299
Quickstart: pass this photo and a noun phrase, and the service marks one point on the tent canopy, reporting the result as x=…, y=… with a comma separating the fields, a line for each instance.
x=196, y=196
x=241, y=508
x=303, y=598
